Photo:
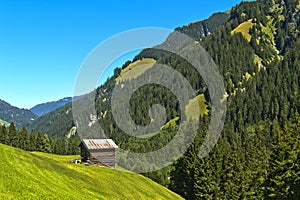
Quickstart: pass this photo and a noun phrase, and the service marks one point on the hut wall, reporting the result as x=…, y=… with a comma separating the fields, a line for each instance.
x=84, y=153
x=105, y=156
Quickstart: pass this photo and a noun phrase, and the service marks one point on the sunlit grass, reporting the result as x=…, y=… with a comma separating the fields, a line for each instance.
x=135, y=69
x=171, y=123
x=244, y=29
x=25, y=175
x=199, y=102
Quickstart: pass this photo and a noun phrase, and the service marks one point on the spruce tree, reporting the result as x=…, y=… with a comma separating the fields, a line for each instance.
x=12, y=134
x=283, y=170
x=4, y=139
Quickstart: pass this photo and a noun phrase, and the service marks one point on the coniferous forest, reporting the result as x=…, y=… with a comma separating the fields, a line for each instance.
x=258, y=154
x=36, y=141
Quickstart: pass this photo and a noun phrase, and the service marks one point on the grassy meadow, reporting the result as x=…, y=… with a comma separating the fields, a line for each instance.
x=26, y=175
x=136, y=69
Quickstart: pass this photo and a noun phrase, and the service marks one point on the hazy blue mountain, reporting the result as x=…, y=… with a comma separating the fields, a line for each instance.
x=44, y=108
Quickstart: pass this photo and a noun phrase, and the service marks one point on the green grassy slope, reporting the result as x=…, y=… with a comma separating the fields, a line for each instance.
x=201, y=103
x=135, y=69
x=25, y=175
x=244, y=29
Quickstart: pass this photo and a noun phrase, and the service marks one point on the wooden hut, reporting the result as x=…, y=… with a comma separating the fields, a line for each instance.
x=100, y=151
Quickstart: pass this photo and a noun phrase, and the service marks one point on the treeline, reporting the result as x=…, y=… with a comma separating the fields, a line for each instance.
x=36, y=141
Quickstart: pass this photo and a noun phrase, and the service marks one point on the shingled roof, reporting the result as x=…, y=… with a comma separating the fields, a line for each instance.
x=99, y=144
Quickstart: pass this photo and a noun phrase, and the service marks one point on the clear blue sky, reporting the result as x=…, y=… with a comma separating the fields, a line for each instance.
x=43, y=43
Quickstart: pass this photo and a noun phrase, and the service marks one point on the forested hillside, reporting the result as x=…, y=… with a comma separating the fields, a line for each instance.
x=56, y=123
x=59, y=122
x=11, y=113
x=257, y=51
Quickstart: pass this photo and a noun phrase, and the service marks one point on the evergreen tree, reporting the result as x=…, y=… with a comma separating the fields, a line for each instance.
x=283, y=171
x=4, y=139
x=33, y=141
x=12, y=134
x=24, y=139
x=46, y=144
x=39, y=142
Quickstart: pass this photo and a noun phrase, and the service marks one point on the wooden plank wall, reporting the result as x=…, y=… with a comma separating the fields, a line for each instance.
x=106, y=157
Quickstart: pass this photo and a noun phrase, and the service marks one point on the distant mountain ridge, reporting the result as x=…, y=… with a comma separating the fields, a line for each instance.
x=201, y=29
x=45, y=108
x=14, y=114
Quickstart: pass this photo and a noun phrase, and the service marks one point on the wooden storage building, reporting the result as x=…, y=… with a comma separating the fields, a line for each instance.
x=99, y=150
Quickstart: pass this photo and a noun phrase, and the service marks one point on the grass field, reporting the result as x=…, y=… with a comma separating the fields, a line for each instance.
x=201, y=103
x=135, y=69
x=190, y=110
x=25, y=175
x=244, y=29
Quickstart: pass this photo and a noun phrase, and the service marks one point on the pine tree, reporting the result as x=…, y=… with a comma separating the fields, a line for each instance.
x=4, y=135
x=33, y=142
x=46, y=144
x=24, y=139
x=12, y=134
x=182, y=176
x=294, y=127
x=39, y=142
x=283, y=170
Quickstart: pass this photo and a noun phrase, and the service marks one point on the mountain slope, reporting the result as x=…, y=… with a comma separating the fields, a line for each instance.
x=202, y=29
x=25, y=175
x=56, y=123
x=60, y=121
x=19, y=116
x=44, y=108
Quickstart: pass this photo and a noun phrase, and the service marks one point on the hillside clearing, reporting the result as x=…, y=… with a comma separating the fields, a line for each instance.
x=197, y=101
x=135, y=69
x=244, y=28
